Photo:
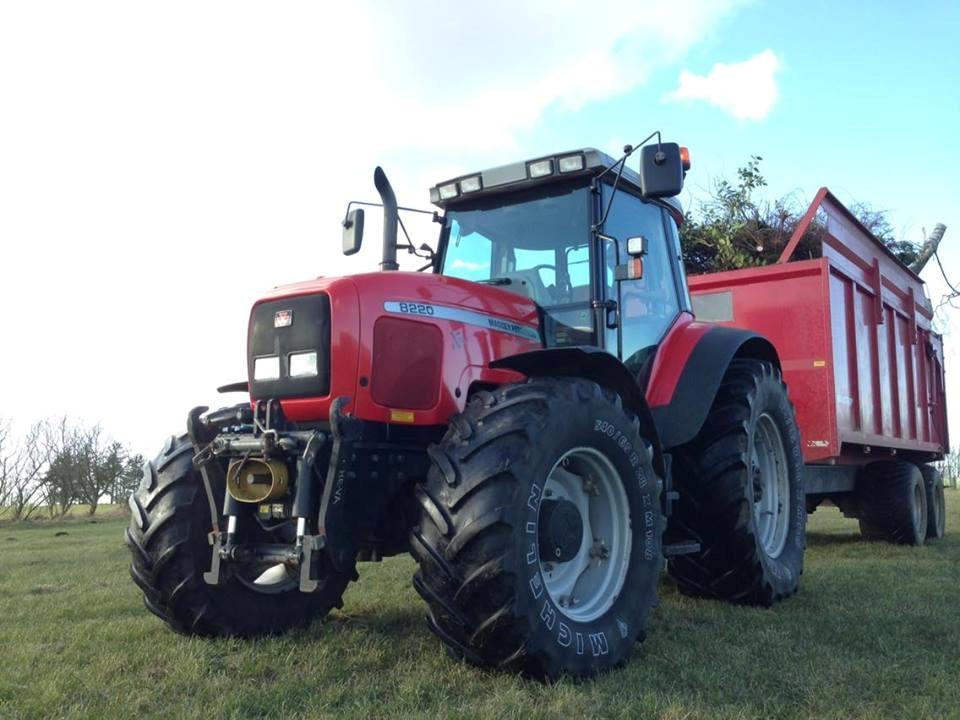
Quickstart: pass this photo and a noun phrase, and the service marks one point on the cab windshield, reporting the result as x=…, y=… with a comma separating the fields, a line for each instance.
x=534, y=245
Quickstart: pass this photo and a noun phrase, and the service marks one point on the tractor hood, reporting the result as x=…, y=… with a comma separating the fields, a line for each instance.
x=404, y=346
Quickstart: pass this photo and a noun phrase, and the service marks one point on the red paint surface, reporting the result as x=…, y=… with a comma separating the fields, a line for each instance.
x=356, y=302
x=854, y=382
x=671, y=358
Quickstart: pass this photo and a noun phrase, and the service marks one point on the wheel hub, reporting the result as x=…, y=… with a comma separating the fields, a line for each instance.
x=584, y=534
x=561, y=530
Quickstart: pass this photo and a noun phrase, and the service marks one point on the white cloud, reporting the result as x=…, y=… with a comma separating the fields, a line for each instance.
x=162, y=165
x=747, y=90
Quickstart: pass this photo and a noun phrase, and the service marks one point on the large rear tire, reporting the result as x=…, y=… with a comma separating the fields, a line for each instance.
x=936, y=502
x=168, y=540
x=893, y=503
x=539, y=543
x=741, y=493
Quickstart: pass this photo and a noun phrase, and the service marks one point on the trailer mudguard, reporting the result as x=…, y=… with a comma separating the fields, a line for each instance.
x=594, y=364
x=687, y=372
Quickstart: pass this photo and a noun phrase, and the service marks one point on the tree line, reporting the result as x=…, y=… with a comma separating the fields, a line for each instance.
x=57, y=464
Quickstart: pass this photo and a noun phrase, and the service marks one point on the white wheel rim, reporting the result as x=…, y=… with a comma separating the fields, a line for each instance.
x=587, y=585
x=770, y=487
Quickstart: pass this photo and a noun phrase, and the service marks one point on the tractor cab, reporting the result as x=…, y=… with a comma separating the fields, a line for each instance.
x=580, y=235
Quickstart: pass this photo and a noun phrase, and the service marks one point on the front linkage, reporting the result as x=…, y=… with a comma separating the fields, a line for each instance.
x=339, y=513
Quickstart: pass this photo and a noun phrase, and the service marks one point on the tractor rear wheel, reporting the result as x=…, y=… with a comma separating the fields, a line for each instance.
x=168, y=540
x=539, y=542
x=936, y=503
x=741, y=493
x=893, y=503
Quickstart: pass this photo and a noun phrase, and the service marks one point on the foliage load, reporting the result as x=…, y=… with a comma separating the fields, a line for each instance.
x=735, y=229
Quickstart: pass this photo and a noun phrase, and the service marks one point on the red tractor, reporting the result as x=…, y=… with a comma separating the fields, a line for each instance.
x=538, y=419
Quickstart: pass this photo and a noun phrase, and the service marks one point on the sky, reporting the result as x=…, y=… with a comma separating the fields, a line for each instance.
x=162, y=165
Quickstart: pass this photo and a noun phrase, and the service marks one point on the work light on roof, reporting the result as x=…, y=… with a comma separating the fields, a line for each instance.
x=448, y=191
x=540, y=168
x=470, y=184
x=570, y=163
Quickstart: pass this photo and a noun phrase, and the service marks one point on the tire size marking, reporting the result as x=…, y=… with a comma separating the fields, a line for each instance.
x=611, y=431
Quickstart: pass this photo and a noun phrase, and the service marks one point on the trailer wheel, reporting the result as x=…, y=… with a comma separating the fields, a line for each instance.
x=539, y=542
x=170, y=518
x=893, y=503
x=741, y=493
x=936, y=503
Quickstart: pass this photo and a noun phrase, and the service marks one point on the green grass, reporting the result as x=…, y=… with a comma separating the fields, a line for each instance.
x=874, y=632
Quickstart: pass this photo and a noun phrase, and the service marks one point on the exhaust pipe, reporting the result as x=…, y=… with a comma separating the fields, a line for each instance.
x=390, y=220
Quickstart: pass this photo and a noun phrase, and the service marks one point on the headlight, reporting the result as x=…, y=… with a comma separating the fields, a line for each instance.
x=540, y=168
x=571, y=163
x=470, y=184
x=303, y=364
x=266, y=368
x=448, y=191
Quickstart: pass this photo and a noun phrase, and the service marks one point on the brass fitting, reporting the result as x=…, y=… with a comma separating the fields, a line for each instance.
x=253, y=480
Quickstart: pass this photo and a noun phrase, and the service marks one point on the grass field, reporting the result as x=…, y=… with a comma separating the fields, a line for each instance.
x=874, y=632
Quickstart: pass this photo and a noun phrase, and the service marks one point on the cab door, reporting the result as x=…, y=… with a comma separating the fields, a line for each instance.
x=648, y=305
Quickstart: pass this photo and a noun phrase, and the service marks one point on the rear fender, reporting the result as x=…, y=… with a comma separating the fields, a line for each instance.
x=687, y=373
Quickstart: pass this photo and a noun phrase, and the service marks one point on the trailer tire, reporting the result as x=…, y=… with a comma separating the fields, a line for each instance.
x=741, y=491
x=167, y=537
x=893, y=503
x=498, y=498
x=936, y=502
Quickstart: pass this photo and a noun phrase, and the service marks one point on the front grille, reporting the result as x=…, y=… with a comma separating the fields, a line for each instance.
x=309, y=330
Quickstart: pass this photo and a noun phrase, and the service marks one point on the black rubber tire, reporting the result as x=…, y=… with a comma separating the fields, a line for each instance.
x=888, y=493
x=936, y=502
x=170, y=519
x=479, y=570
x=712, y=475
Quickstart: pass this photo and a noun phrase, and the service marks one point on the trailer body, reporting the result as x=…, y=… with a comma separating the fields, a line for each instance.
x=852, y=328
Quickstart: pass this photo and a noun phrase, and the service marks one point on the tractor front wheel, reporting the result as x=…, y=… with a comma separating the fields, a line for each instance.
x=170, y=519
x=539, y=542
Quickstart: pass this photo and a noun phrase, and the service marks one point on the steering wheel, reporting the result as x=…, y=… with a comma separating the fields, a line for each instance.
x=536, y=269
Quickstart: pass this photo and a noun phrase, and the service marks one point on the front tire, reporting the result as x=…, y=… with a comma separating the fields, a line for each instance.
x=539, y=543
x=741, y=493
x=170, y=519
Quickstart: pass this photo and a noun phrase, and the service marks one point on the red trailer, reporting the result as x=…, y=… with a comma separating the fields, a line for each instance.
x=862, y=363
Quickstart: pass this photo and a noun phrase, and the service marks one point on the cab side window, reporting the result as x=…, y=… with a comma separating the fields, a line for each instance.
x=648, y=305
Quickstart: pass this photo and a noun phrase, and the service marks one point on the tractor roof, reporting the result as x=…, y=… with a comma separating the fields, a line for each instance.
x=525, y=174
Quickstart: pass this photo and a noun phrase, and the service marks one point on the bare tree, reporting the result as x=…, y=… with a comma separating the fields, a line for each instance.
x=126, y=482
x=61, y=446
x=100, y=464
x=21, y=470
x=5, y=449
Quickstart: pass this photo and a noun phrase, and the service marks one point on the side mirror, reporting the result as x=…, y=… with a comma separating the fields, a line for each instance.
x=353, y=232
x=661, y=170
x=637, y=246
